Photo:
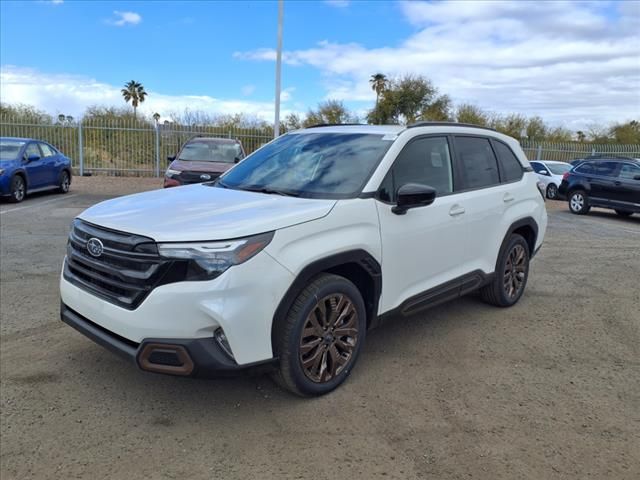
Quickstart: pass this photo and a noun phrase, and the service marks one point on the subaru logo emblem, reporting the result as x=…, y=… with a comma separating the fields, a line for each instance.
x=95, y=247
x=204, y=176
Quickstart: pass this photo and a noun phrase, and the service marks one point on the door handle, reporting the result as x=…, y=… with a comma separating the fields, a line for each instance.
x=618, y=184
x=456, y=210
x=508, y=198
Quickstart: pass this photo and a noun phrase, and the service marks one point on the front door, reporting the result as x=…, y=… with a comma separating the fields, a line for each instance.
x=421, y=249
x=628, y=187
x=35, y=168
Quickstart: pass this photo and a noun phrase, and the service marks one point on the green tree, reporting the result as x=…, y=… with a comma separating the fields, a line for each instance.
x=536, y=129
x=134, y=92
x=331, y=111
x=378, y=83
x=626, y=133
x=156, y=117
x=472, y=114
x=409, y=99
x=292, y=122
x=581, y=136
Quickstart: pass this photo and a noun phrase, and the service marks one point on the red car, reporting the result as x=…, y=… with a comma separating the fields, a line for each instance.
x=202, y=159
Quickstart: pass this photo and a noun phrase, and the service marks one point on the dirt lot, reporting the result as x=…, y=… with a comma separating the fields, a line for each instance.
x=547, y=389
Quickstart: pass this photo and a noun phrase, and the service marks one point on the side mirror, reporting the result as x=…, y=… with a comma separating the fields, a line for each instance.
x=171, y=158
x=236, y=160
x=33, y=158
x=544, y=172
x=413, y=195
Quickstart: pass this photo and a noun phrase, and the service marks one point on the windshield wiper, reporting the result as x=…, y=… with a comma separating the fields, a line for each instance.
x=269, y=191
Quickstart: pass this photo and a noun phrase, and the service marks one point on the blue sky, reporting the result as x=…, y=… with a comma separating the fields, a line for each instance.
x=218, y=56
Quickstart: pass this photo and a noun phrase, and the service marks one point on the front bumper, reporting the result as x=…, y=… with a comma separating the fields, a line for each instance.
x=200, y=357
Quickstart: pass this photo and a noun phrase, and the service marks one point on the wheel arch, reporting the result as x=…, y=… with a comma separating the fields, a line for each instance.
x=23, y=174
x=357, y=266
x=527, y=228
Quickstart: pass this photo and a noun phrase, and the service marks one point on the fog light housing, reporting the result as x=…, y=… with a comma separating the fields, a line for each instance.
x=221, y=339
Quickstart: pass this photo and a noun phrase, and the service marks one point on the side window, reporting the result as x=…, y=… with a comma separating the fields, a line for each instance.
x=586, y=168
x=32, y=149
x=537, y=167
x=629, y=172
x=510, y=166
x=478, y=165
x=47, y=151
x=605, y=169
x=424, y=160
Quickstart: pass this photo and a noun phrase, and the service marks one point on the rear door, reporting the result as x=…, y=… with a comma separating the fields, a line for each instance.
x=50, y=161
x=628, y=187
x=484, y=199
x=36, y=168
x=603, y=182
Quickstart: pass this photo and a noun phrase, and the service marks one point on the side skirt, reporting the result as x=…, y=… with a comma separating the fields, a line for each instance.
x=435, y=296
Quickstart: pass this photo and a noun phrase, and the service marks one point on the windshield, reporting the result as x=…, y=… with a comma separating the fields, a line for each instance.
x=559, y=168
x=9, y=149
x=203, y=151
x=312, y=165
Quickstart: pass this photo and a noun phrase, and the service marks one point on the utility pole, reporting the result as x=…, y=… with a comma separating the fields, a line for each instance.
x=276, y=124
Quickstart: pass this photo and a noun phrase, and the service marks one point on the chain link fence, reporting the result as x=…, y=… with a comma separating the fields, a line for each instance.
x=138, y=147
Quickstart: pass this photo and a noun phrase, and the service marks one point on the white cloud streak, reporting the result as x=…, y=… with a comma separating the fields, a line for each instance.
x=72, y=94
x=125, y=18
x=573, y=63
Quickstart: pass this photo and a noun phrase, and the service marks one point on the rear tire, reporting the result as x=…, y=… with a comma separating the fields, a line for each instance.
x=319, y=341
x=552, y=191
x=510, y=277
x=65, y=182
x=18, y=189
x=624, y=213
x=579, y=202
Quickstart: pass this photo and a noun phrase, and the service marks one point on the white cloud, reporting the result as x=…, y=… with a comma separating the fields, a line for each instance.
x=570, y=62
x=248, y=90
x=125, y=18
x=57, y=2
x=72, y=94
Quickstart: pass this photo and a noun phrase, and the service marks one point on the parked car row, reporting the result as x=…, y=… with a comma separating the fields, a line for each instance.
x=605, y=181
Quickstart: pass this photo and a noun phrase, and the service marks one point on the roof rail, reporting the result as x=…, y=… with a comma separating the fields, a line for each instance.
x=317, y=125
x=424, y=123
x=607, y=155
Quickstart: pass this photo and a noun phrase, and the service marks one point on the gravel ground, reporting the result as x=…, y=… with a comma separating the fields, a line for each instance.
x=547, y=389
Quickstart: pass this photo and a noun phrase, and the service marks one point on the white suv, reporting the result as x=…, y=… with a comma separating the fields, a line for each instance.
x=287, y=260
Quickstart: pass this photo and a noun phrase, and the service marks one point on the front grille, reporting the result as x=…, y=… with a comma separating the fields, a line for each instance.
x=194, y=177
x=126, y=271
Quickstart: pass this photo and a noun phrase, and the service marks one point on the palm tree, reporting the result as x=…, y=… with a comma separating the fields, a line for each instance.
x=133, y=92
x=378, y=83
x=156, y=117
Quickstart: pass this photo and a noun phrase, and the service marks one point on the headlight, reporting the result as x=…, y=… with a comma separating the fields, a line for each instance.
x=170, y=173
x=207, y=260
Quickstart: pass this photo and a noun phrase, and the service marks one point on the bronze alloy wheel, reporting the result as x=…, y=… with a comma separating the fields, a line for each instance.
x=515, y=271
x=329, y=337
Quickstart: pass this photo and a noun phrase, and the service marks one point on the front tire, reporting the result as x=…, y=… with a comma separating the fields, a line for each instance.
x=552, y=191
x=511, y=274
x=579, y=202
x=65, y=182
x=18, y=189
x=319, y=341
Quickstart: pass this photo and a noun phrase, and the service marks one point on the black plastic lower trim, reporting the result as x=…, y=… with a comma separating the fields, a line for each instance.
x=440, y=294
x=208, y=357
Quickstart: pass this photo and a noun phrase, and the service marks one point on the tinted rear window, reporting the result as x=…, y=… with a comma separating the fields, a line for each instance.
x=509, y=163
x=478, y=165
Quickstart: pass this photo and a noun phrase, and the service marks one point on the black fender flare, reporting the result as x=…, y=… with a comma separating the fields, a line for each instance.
x=358, y=256
x=523, y=222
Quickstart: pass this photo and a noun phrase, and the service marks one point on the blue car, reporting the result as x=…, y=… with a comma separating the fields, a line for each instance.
x=28, y=166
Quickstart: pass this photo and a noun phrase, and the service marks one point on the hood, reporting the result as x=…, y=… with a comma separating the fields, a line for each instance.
x=195, y=166
x=201, y=212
